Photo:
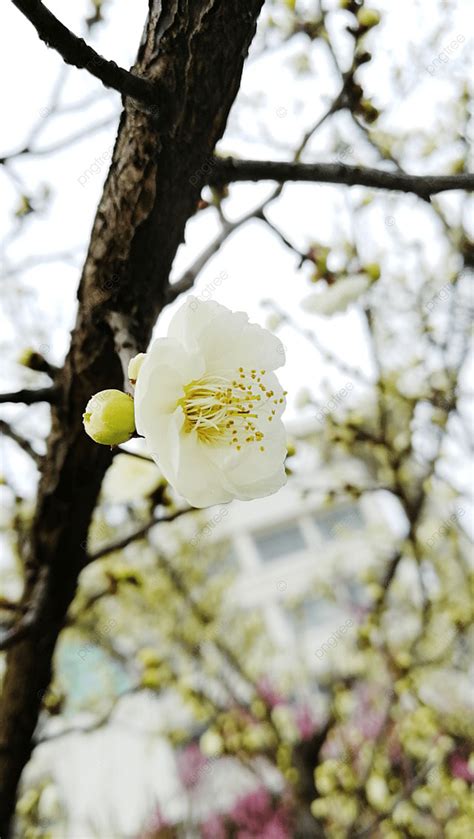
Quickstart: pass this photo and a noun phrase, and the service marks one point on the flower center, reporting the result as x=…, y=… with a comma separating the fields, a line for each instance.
x=225, y=411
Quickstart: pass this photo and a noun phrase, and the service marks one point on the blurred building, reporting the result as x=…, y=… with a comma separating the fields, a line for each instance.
x=297, y=562
x=299, y=557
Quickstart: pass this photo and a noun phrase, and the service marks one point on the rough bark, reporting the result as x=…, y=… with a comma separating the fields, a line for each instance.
x=193, y=50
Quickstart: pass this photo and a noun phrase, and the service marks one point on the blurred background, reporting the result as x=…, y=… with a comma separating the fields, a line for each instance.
x=300, y=665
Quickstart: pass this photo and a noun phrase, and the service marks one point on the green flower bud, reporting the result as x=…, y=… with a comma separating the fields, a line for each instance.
x=148, y=657
x=109, y=417
x=368, y=111
x=372, y=270
x=368, y=18
x=151, y=679
x=25, y=357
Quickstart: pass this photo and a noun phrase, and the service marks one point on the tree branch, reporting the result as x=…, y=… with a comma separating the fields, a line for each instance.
x=230, y=170
x=24, y=625
x=100, y=722
x=186, y=281
x=75, y=51
x=8, y=431
x=310, y=336
x=60, y=144
x=8, y=605
x=30, y=397
x=302, y=257
x=145, y=457
x=139, y=533
x=37, y=362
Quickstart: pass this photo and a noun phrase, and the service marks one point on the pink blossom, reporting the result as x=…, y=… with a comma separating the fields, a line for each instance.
x=256, y=818
x=214, y=828
x=305, y=722
x=253, y=810
x=268, y=693
x=277, y=827
x=460, y=767
x=371, y=722
x=191, y=763
x=156, y=823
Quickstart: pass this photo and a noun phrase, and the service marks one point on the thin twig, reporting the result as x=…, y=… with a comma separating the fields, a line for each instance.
x=337, y=105
x=402, y=796
x=186, y=281
x=139, y=455
x=329, y=356
x=24, y=444
x=75, y=51
x=302, y=257
x=99, y=723
x=137, y=534
x=25, y=624
x=84, y=133
x=31, y=262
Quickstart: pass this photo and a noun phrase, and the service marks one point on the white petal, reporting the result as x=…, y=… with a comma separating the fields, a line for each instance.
x=165, y=370
x=169, y=352
x=198, y=479
x=163, y=441
x=258, y=473
x=262, y=345
x=251, y=472
x=270, y=403
x=225, y=338
x=220, y=340
x=267, y=485
x=231, y=342
x=191, y=318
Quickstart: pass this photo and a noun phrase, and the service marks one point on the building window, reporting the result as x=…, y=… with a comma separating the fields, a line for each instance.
x=281, y=541
x=310, y=614
x=334, y=524
x=318, y=611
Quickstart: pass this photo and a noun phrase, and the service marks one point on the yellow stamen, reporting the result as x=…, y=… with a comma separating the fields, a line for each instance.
x=223, y=411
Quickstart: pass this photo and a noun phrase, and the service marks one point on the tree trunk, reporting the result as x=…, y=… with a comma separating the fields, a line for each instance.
x=194, y=51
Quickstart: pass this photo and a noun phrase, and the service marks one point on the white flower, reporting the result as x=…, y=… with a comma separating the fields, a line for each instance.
x=209, y=406
x=337, y=297
x=130, y=477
